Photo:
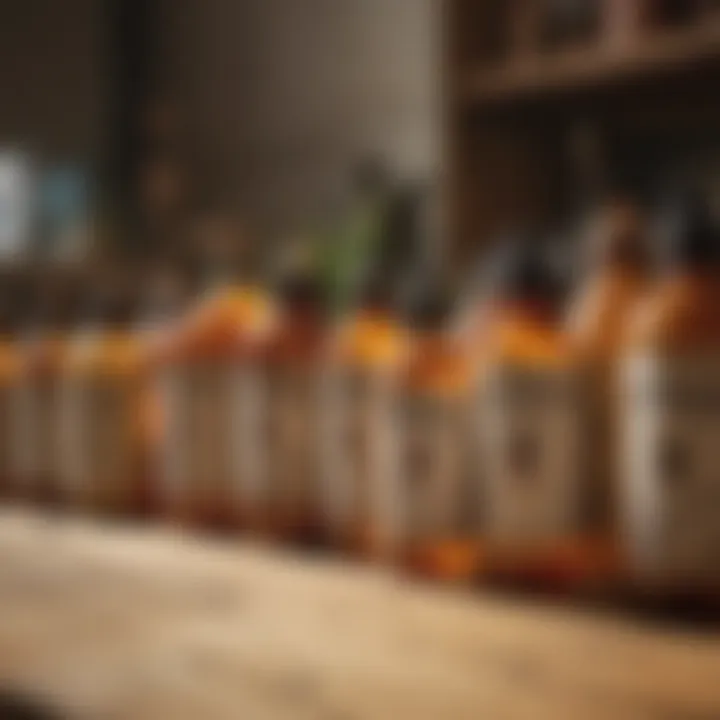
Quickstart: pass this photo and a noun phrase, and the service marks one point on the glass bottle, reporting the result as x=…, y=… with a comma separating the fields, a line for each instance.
x=528, y=424
x=11, y=323
x=361, y=436
x=439, y=495
x=597, y=325
x=43, y=348
x=100, y=405
x=208, y=378
x=292, y=381
x=671, y=414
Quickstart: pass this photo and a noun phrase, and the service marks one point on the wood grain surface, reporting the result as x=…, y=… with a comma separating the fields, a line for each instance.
x=112, y=622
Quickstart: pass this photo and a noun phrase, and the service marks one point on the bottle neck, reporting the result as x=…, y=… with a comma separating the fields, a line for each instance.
x=222, y=275
x=695, y=269
x=534, y=309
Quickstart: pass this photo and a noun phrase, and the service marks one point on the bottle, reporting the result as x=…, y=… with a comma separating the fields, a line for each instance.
x=208, y=376
x=292, y=382
x=597, y=326
x=10, y=369
x=100, y=405
x=164, y=297
x=35, y=428
x=361, y=433
x=671, y=415
x=439, y=493
x=528, y=425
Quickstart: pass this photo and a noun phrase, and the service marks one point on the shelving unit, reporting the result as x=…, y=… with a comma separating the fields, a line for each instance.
x=582, y=69
x=514, y=119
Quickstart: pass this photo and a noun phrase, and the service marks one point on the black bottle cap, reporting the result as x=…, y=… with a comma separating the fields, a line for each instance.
x=300, y=291
x=521, y=271
x=430, y=305
x=380, y=289
x=691, y=235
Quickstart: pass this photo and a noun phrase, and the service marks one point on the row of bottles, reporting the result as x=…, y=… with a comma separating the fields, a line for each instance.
x=458, y=439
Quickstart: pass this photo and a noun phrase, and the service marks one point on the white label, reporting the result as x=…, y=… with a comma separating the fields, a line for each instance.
x=34, y=431
x=361, y=452
x=211, y=448
x=532, y=446
x=671, y=489
x=439, y=495
x=100, y=440
x=7, y=465
x=292, y=440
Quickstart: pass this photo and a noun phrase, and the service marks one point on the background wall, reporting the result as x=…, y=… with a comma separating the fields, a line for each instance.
x=284, y=97
x=54, y=70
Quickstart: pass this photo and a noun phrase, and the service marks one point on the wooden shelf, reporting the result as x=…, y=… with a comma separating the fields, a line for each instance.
x=571, y=71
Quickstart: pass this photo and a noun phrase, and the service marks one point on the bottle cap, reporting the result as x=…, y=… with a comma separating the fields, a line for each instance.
x=521, y=270
x=691, y=235
x=430, y=305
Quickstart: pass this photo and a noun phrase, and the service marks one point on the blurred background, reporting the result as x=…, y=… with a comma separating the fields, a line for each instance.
x=122, y=122
x=154, y=133
x=144, y=115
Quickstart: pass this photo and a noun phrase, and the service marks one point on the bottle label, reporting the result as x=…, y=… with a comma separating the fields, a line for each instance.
x=439, y=498
x=34, y=431
x=532, y=444
x=361, y=452
x=100, y=440
x=6, y=440
x=292, y=444
x=211, y=436
x=671, y=489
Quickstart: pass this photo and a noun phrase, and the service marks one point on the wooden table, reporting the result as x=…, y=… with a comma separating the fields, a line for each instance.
x=108, y=622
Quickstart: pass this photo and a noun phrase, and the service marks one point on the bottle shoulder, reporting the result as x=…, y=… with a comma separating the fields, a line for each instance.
x=441, y=366
x=372, y=342
x=681, y=315
x=599, y=315
x=111, y=351
x=10, y=360
x=518, y=340
x=221, y=326
x=42, y=353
